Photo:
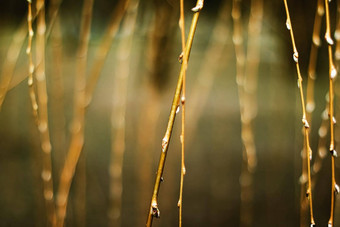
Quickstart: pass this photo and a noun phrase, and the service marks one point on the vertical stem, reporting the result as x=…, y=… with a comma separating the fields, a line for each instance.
x=182, y=137
x=118, y=115
x=30, y=81
x=43, y=113
x=246, y=79
x=77, y=130
x=153, y=209
x=304, y=119
x=250, y=111
x=332, y=75
x=310, y=104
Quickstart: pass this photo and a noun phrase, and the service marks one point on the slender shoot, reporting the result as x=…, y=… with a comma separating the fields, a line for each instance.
x=30, y=62
x=182, y=137
x=332, y=75
x=304, y=119
x=118, y=122
x=77, y=130
x=153, y=209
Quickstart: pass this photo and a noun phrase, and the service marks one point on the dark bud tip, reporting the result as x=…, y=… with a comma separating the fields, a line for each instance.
x=155, y=212
x=334, y=153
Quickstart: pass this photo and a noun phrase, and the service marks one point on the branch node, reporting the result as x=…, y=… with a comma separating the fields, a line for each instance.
x=333, y=72
x=164, y=144
x=329, y=39
x=296, y=56
x=334, y=153
x=180, y=57
x=336, y=188
x=305, y=122
x=198, y=7
x=155, y=211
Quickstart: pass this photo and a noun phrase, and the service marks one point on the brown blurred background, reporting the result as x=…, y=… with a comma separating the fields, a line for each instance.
x=214, y=147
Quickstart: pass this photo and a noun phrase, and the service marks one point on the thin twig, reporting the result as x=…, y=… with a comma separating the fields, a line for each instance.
x=304, y=119
x=161, y=28
x=30, y=81
x=249, y=112
x=182, y=137
x=332, y=121
x=43, y=125
x=310, y=105
x=118, y=121
x=153, y=209
x=77, y=131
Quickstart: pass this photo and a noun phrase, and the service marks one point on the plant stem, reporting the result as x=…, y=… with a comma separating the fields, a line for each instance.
x=153, y=210
x=118, y=121
x=77, y=131
x=304, y=119
x=43, y=113
x=30, y=81
x=310, y=105
x=332, y=76
x=182, y=137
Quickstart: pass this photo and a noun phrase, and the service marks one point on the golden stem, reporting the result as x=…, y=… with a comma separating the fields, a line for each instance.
x=304, y=120
x=332, y=75
x=153, y=209
x=182, y=137
x=77, y=131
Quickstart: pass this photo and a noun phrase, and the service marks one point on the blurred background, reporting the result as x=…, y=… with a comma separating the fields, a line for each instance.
x=132, y=97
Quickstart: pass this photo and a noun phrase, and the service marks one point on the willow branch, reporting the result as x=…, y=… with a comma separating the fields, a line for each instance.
x=118, y=115
x=304, y=119
x=310, y=104
x=249, y=112
x=332, y=76
x=182, y=137
x=43, y=112
x=30, y=65
x=77, y=130
x=153, y=210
